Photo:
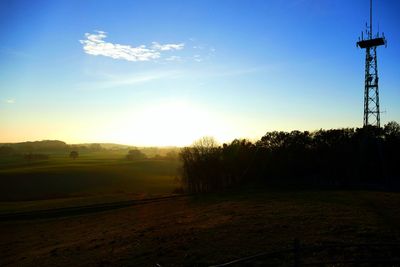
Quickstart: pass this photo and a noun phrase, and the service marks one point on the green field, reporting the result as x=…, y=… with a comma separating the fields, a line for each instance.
x=91, y=174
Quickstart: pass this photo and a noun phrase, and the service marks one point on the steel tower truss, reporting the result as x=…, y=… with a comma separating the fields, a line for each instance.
x=371, y=92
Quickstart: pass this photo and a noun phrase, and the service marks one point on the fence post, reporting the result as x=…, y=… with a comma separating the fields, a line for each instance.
x=296, y=251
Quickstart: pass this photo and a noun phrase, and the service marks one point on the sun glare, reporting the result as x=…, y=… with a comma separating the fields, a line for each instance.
x=168, y=123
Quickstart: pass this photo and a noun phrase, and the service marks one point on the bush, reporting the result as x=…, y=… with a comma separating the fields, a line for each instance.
x=135, y=154
x=74, y=154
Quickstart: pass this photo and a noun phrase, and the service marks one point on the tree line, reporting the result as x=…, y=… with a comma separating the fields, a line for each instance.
x=365, y=157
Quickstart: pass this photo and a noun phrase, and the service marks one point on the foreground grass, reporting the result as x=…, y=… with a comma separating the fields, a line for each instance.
x=197, y=231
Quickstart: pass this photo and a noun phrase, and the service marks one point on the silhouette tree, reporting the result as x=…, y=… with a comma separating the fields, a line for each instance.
x=345, y=158
x=392, y=129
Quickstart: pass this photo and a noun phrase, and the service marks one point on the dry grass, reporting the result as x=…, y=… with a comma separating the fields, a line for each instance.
x=201, y=230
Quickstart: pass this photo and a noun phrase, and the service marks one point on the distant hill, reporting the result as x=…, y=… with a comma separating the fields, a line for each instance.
x=59, y=146
x=38, y=146
x=52, y=146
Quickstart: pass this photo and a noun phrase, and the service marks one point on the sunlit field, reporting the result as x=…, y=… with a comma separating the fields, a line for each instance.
x=91, y=174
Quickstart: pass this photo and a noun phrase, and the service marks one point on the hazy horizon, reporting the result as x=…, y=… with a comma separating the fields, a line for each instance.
x=219, y=142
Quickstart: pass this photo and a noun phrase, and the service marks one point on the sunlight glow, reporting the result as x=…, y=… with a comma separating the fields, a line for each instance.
x=168, y=123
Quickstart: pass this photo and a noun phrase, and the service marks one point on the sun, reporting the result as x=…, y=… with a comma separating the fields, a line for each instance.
x=172, y=122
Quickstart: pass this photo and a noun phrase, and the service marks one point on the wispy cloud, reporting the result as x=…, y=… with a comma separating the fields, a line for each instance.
x=13, y=52
x=106, y=81
x=174, y=58
x=197, y=58
x=9, y=101
x=203, y=52
x=167, y=47
x=95, y=44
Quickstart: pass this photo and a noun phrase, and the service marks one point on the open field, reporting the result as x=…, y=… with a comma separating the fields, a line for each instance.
x=92, y=174
x=203, y=230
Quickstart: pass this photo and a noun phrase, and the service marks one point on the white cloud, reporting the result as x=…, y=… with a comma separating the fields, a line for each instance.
x=167, y=47
x=95, y=44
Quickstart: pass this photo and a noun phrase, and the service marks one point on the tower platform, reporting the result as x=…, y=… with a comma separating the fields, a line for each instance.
x=371, y=42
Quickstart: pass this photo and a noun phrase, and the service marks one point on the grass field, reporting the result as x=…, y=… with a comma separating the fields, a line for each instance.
x=184, y=231
x=92, y=174
x=205, y=230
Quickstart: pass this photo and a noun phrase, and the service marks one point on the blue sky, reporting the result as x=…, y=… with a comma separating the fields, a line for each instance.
x=169, y=72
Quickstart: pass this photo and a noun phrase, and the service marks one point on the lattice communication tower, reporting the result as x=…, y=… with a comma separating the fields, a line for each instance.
x=371, y=89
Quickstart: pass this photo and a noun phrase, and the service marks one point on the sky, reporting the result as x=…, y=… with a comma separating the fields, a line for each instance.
x=165, y=73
